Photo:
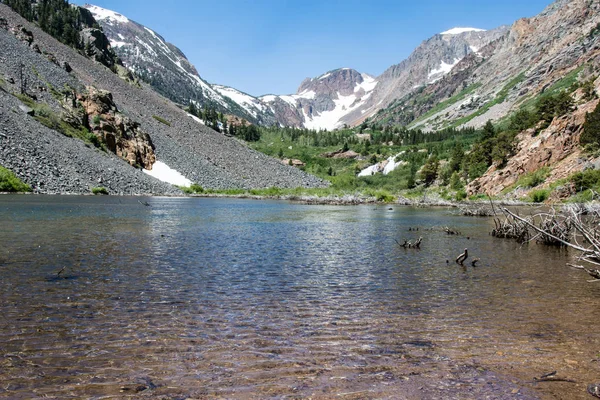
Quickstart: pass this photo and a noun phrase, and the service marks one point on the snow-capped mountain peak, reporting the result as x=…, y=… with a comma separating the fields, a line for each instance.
x=168, y=70
x=457, y=31
x=322, y=102
x=106, y=16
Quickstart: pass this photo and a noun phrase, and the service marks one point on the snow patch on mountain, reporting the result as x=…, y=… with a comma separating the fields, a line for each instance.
x=367, y=84
x=247, y=102
x=268, y=98
x=107, y=15
x=307, y=94
x=329, y=120
x=444, y=68
x=163, y=172
x=457, y=31
x=116, y=43
x=384, y=167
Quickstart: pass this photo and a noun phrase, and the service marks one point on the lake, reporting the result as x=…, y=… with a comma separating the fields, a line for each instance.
x=240, y=299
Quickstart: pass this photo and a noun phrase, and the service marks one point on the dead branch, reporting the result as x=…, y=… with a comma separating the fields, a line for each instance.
x=510, y=228
x=410, y=244
x=531, y=225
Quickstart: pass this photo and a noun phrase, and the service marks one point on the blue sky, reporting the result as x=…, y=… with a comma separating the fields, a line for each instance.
x=270, y=46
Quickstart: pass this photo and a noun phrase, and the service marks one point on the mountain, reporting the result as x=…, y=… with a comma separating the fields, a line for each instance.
x=164, y=66
x=427, y=64
x=69, y=124
x=258, y=111
x=332, y=100
x=522, y=62
x=322, y=102
x=346, y=97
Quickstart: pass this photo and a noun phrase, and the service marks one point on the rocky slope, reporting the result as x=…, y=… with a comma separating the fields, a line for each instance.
x=530, y=57
x=165, y=67
x=427, y=64
x=53, y=163
x=556, y=147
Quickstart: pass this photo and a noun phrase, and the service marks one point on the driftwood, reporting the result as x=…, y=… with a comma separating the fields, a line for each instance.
x=476, y=211
x=410, y=244
x=511, y=228
x=574, y=229
x=462, y=257
x=451, y=231
x=551, y=377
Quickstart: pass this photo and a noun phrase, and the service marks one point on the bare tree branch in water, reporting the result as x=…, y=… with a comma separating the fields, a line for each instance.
x=575, y=227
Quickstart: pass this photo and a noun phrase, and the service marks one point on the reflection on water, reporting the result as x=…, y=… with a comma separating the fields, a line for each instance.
x=203, y=298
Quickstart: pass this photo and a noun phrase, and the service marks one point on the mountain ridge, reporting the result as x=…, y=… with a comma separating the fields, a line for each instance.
x=331, y=109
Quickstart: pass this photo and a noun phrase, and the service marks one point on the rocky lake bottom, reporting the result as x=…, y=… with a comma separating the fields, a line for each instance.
x=176, y=298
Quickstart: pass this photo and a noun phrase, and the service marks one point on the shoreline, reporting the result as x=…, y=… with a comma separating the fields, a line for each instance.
x=334, y=200
x=350, y=199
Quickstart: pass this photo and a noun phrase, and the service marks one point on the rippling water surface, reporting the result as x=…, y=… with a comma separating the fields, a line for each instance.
x=213, y=298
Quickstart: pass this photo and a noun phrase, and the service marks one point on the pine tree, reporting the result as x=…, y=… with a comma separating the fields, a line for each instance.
x=591, y=127
x=430, y=170
x=488, y=130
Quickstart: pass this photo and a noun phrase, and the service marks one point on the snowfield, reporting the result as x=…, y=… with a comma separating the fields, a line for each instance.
x=329, y=120
x=247, y=102
x=444, y=68
x=163, y=172
x=457, y=31
x=104, y=14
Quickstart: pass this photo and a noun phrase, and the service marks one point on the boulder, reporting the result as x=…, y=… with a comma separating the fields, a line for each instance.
x=27, y=110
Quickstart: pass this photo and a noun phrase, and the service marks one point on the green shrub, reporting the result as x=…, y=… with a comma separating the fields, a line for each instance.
x=99, y=190
x=384, y=196
x=460, y=195
x=540, y=195
x=591, y=127
x=455, y=182
x=588, y=179
x=272, y=191
x=9, y=182
x=479, y=196
x=194, y=188
x=161, y=120
x=535, y=178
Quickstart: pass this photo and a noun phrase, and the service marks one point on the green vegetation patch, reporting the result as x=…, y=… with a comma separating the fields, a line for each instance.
x=194, y=188
x=443, y=104
x=529, y=180
x=500, y=97
x=49, y=118
x=9, y=182
x=161, y=120
x=99, y=190
x=567, y=83
x=539, y=195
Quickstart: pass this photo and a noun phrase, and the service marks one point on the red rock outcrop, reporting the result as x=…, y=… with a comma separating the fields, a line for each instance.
x=97, y=111
x=556, y=146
